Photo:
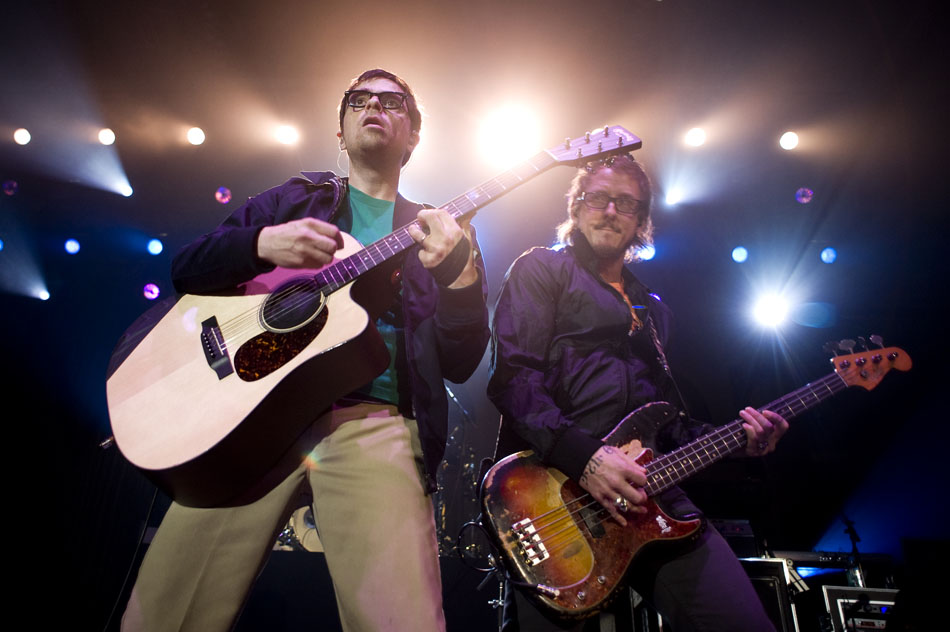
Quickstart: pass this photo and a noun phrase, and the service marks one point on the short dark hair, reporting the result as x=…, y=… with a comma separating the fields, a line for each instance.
x=415, y=115
x=625, y=164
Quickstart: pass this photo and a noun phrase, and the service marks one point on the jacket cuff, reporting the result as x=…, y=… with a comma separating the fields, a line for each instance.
x=457, y=306
x=572, y=452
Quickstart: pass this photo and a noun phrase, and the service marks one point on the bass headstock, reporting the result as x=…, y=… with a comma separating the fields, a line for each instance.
x=867, y=368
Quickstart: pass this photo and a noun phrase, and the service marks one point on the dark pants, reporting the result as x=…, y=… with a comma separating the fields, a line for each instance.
x=699, y=587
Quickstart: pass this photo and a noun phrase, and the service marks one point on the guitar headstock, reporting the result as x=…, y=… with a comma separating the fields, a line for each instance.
x=867, y=368
x=600, y=143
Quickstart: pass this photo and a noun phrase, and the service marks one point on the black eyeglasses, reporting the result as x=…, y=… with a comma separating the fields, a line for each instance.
x=625, y=204
x=359, y=99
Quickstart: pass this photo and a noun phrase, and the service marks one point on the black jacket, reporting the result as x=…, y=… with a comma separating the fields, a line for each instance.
x=565, y=366
x=446, y=331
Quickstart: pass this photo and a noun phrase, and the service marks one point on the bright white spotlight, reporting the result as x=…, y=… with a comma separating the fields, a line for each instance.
x=695, y=137
x=789, y=140
x=155, y=247
x=71, y=246
x=828, y=255
x=21, y=136
x=195, y=136
x=106, y=136
x=509, y=134
x=43, y=295
x=287, y=135
x=770, y=311
x=674, y=196
x=646, y=253
x=740, y=254
x=125, y=190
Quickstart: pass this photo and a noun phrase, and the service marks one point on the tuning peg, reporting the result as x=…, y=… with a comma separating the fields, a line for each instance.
x=877, y=340
x=847, y=344
x=830, y=347
x=606, y=130
x=862, y=343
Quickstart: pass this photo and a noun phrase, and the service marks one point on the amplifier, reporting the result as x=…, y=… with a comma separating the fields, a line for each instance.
x=770, y=579
x=858, y=608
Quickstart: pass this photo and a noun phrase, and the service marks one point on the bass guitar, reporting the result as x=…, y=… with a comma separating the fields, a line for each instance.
x=555, y=538
x=216, y=389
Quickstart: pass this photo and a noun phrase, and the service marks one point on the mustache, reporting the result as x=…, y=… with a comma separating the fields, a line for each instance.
x=608, y=225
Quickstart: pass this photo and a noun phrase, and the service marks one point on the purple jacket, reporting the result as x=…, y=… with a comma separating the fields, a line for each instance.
x=446, y=331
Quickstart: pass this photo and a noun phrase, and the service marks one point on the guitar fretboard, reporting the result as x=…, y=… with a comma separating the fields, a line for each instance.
x=346, y=270
x=669, y=469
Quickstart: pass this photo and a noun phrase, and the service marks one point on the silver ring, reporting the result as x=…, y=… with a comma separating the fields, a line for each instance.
x=621, y=503
x=763, y=445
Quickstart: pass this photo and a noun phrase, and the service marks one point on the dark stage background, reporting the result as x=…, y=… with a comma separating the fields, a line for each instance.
x=864, y=83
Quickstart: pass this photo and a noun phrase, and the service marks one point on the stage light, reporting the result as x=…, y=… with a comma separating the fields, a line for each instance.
x=21, y=136
x=106, y=136
x=195, y=136
x=1, y=245
x=789, y=140
x=804, y=195
x=124, y=189
x=770, y=310
x=223, y=195
x=739, y=254
x=674, y=196
x=155, y=247
x=646, y=253
x=151, y=291
x=43, y=295
x=695, y=137
x=71, y=246
x=828, y=255
x=508, y=135
x=287, y=135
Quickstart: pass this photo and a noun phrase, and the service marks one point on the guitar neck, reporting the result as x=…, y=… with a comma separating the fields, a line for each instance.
x=670, y=469
x=346, y=270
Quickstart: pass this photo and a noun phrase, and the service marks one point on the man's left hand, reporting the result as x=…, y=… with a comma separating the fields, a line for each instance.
x=763, y=429
x=444, y=233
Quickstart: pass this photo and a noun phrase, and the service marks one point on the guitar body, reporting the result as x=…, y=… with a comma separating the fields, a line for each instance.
x=554, y=534
x=207, y=436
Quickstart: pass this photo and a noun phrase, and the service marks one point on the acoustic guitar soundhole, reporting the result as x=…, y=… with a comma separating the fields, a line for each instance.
x=293, y=315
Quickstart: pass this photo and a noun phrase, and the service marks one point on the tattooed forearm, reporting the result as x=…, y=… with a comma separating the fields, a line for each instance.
x=595, y=462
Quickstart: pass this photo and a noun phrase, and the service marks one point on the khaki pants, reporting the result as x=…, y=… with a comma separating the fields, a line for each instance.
x=372, y=515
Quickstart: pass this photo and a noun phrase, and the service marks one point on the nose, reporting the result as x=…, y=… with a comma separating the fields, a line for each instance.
x=610, y=208
x=374, y=98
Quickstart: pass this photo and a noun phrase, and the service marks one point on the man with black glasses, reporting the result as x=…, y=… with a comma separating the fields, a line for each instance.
x=578, y=344
x=371, y=460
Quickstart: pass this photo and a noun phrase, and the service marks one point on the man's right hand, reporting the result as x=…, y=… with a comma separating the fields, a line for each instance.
x=301, y=243
x=611, y=476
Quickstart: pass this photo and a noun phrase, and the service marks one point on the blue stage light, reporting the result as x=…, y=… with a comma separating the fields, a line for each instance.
x=739, y=254
x=71, y=246
x=828, y=255
x=155, y=247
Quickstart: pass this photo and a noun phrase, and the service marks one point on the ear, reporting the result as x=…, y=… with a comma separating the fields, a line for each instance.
x=342, y=142
x=413, y=140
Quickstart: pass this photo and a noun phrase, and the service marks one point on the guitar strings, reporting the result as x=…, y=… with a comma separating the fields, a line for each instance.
x=659, y=475
x=248, y=323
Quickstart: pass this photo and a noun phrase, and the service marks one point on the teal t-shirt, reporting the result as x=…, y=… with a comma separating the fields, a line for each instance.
x=373, y=219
